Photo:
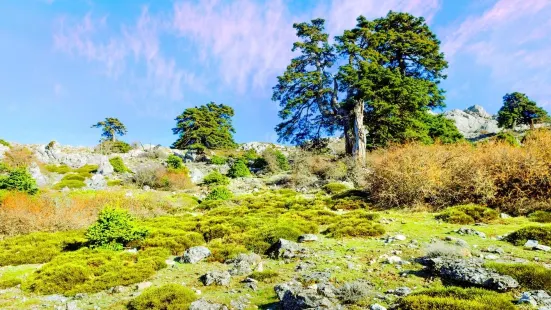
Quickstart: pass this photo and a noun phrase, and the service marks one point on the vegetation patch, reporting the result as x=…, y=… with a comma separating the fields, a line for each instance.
x=531, y=276
x=216, y=178
x=174, y=162
x=218, y=160
x=335, y=188
x=19, y=180
x=219, y=193
x=114, y=229
x=540, y=217
x=90, y=271
x=166, y=297
x=5, y=143
x=455, y=298
x=239, y=170
x=118, y=165
x=468, y=214
x=61, y=169
x=264, y=276
x=541, y=234
x=355, y=224
x=71, y=181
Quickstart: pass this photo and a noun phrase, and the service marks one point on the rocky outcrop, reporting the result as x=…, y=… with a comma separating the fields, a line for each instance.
x=35, y=172
x=473, y=122
x=96, y=182
x=244, y=264
x=294, y=296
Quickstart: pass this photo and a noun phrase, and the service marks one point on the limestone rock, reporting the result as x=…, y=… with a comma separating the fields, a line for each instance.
x=35, y=172
x=203, y=304
x=195, y=254
x=96, y=182
x=293, y=296
x=105, y=168
x=244, y=264
x=284, y=249
x=221, y=278
x=473, y=122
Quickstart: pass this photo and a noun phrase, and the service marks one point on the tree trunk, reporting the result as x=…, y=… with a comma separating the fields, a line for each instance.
x=348, y=138
x=359, y=144
x=113, y=138
x=531, y=124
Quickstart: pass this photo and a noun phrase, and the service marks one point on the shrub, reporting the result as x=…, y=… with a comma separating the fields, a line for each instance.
x=86, y=171
x=112, y=183
x=61, y=169
x=508, y=138
x=18, y=157
x=218, y=160
x=540, y=217
x=174, y=162
x=37, y=248
x=216, y=178
x=443, y=249
x=19, y=180
x=353, y=292
x=222, y=250
x=335, y=188
x=531, y=276
x=468, y=214
x=264, y=276
x=273, y=160
x=519, y=237
x=114, y=229
x=219, y=193
x=166, y=297
x=455, y=298
x=114, y=147
x=175, y=179
x=118, y=165
x=91, y=271
x=5, y=143
x=72, y=184
x=355, y=224
x=239, y=169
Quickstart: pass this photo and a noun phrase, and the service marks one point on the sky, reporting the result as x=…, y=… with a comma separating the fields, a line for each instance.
x=67, y=64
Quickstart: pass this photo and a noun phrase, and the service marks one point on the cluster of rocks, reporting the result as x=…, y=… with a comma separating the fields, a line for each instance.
x=535, y=245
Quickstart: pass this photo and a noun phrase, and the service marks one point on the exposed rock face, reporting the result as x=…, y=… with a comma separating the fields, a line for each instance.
x=74, y=157
x=260, y=147
x=469, y=272
x=473, y=122
x=285, y=249
x=195, y=254
x=40, y=179
x=105, y=168
x=3, y=149
x=307, y=238
x=221, y=278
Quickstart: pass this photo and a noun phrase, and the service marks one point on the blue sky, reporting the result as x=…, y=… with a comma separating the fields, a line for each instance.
x=66, y=64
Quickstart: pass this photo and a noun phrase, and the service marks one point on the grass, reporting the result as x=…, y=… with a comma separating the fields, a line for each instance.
x=456, y=299
x=264, y=276
x=13, y=276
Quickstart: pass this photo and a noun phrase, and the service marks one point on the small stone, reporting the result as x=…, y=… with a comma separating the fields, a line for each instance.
x=504, y=216
x=72, y=305
x=376, y=307
x=400, y=237
x=492, y=257
x=203, y=304
x=221, y=278
x=393, y=260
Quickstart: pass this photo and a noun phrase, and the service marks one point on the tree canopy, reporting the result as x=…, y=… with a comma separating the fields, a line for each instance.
x=518, y=109
x=208, y=126
x=111, y=127
x=375, y=84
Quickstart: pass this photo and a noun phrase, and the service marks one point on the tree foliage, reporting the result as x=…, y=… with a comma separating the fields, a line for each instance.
x=111, y=127
x=518, y=109
x=114, y=229
x=208, y=126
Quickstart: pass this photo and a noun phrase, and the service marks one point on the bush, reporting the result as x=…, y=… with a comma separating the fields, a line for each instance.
x=87, y=170
x=355, y=224
x=72, y=184
x=118, y=165
x=455, y=298
x=335, y=188
x=175, y=179
x=216, y=178
x=114, y=147
x=468, y=214
x=114, y=229
x=273, y=160
x=239, y=170
x=264, y=276
x=508, y=138
x=353, y=292
x=219, y=193
x=166, y=297
x=218, y=160
x=19, y=180
x=531, y=276
x=61, y=169
x=540, y=217
x=91, y=271
x=222, y=250
x=174, y=162
x=18, y=157
x=148, y=176
x=112, y=183
x=519, y=237
x=5, y=143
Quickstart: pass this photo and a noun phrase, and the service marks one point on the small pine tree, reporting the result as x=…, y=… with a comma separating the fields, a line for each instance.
x=114, y=229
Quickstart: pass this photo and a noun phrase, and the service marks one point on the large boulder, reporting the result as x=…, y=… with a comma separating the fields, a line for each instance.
x=96, y=182
x=105, y=168
x=469, y=272
x=220, y=278
x=285, y=249
x=195, y=254
x=3, y=149
x=244, y=264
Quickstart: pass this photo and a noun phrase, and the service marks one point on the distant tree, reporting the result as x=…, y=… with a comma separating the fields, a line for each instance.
x=111, y=127
x=208, y=126
x=518, y=109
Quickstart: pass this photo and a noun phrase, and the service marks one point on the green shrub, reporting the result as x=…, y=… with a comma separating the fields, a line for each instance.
x=508, y=138
x=94, y=270
x=531, y=276
x=335, y=188
x=540, y=217
x=174, y=162
x=166, y=297
x=118, y=165
x=170, y=233
x=222, y=250
x=250, y=155
x=216, y=178
x=455, y=298
x=37, y=248
x=111, y=183
x=72, y=184
x=5, y=143
x=519, y=237
x=468, y=214
x=73, y=177
x=239, y=170
x=114, y=229
x=19, y=180
x=14, y=276
x=218, y=160
x=219, y=193
x=61, y=169
x=86, y=171
x=264, y=276
x=114, y=147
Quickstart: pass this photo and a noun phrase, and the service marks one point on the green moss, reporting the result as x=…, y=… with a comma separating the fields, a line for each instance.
x=118, y=165
x=166, y=297
x=335, y=188
x=540, y=217
x=519, y=237
x=37, y=248
x=468, y=214
x=90, y=271
x=455, y=299
x=531, y=276
x=216, y=178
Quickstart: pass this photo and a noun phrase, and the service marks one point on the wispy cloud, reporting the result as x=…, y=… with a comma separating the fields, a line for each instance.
x=511, y=38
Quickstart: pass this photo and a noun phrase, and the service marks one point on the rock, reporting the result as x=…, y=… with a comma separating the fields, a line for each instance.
x=531, y=244
x=240, y=303
x=316, y=277
x=221, y=278
x=537, y=298
x=495, y=250
x=195, y=254
x=542, y=247
x=491, y=257
x=142, y=286
x=307, y=238
x=35, y=172
x=284, y=249
x=105, y=168
x=3, y=149
x=400, y=237
x=117, y=289
x=473, y=122
x=244, y=264
x=251, y=283
x=470, y=231
x=96, y=182
x=401, y=291
x=294, y=296
x=196, y=175
x=469, y=272
x=457, y=241
x=393, y=260
x=376, y=307
x=504, y=216
x=203, y=304
x=72, y=305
